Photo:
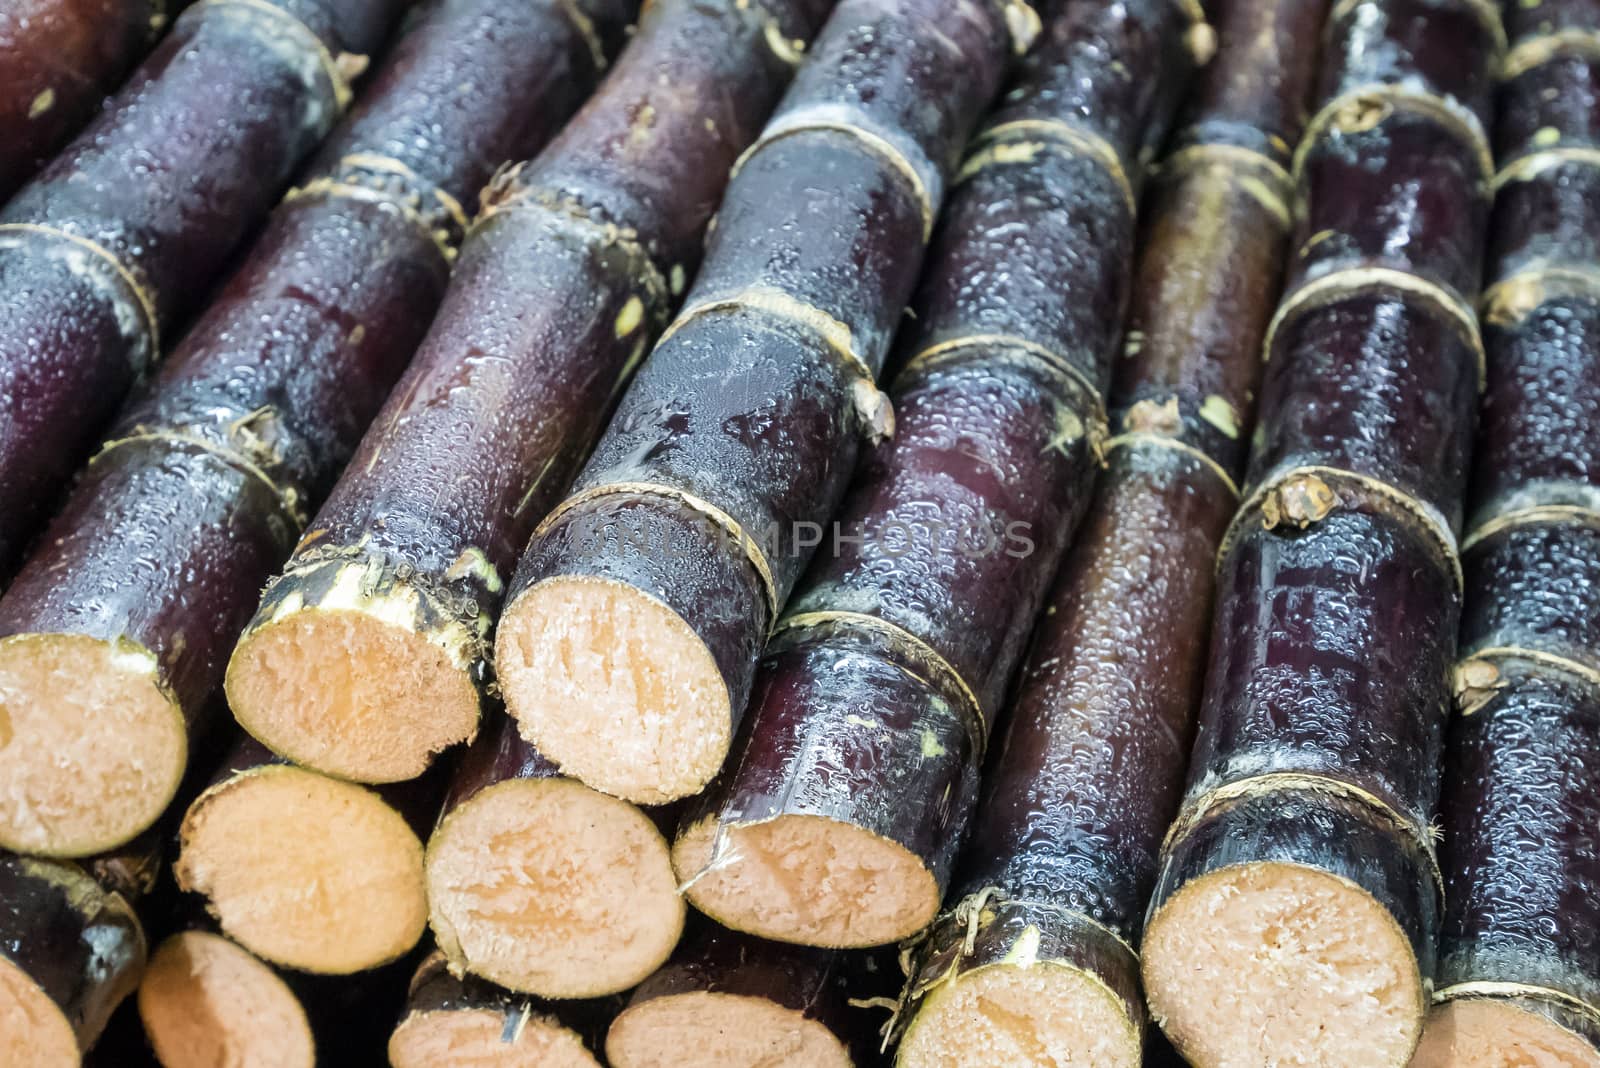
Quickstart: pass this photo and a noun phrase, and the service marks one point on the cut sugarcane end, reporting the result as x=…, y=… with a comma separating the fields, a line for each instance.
x=712, y=1030
x=91, y=747
x=33, y=1029
x=206, y=1002
x=355, y=692
x=1278, y=963
x=806, y=879
x=480, y=1038
x=615, y=687
x=1487, y=1033
x=306, y=871
x=548, y=887
x=1042, y=1015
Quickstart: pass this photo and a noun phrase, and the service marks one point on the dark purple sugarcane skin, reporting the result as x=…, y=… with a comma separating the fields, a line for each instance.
x=1535, y=586
x=84, y=957
x=1376, y=383
x=1297, y=682
x=166, y=544
x=1401, y=195
x=1524, y=21
x=1521, y=812
x=744, y=408
x=963, y=515
x=1537, y=438
x=485, y=430
x=1332, y=645
x=1538, y=419
x=954, y=527
x=57, y=59
x=1256, y=102
x=1089, y=774
x=1448, y=48
x=169, y=178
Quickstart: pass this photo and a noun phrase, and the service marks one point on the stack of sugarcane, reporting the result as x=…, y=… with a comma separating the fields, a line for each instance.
x=545, y=608
x=1294, y=917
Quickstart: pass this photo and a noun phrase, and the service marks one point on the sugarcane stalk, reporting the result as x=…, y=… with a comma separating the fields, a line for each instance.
x=837, y=819
x=70, y=951
x=449, y=1019
x=359, y=849
x=544, y=885
x=1050, y=895
x=114, y=637
x=1295, y=912
x=122, y=232
x=633, y=625
x=727, y=999
x=57, y=59
x=572, y=268
x=1517, y=977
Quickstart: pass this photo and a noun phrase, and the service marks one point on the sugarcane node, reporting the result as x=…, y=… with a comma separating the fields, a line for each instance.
x=206, y=1002
x=129, y=290
x=1531, y=52
x=1299, y=501
x=1151, y=416
x=1020, y=141
x=267, y=18
x=1512, y=299
x=1536, y=162
x=1365, y=107
x=383, y=179
x=1513, y=513
x=1347, y=282
x=369, y=907
x=250, y=461
x=1143, y=439
x=1475, y=684
x=548, y=887
x=922, y=178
